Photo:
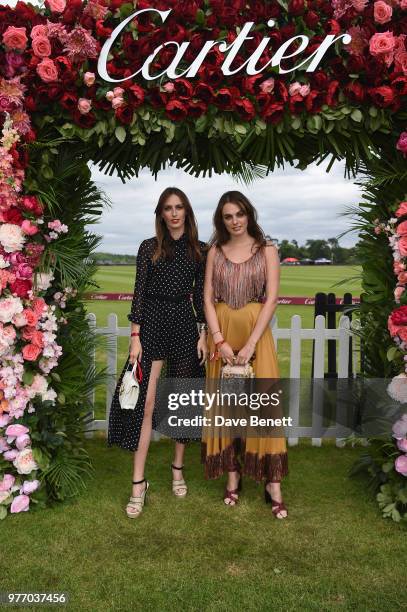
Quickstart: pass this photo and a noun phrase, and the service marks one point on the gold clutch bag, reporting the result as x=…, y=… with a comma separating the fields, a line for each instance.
x=237, y=371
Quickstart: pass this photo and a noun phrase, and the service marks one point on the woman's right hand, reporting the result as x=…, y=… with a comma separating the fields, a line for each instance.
x=136, y=350
x=226, y=352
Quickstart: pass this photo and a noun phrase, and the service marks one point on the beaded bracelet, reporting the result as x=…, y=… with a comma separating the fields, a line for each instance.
x=135, y=334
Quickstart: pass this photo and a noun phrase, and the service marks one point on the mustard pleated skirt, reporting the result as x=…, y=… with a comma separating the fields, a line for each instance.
x=260, y=458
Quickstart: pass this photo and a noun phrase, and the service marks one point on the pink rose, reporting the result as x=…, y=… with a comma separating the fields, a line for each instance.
x=359, y=5
x=24, y=271
x=7, y=482
x=3, y=447
x=402, y=143
x=20, y=503
x=117, y=102
x=19, y=320
x=402, y=228
x=37, y=339
x=382, y=12
x=109, y=96
x=47, y=71
x=267, y=86
x=382, y=43
x=41, y=46
x=38, y=306
x=402, y=209
x=24, y=462
x=402, y=445
x=398, y=292
x=56, y=6
x=10, y=455
x=400, y=465
x=89, y=78
x=15, y=38
x=9, y=333
x=31, y=352
x=84, y=105
x=39, y=30
x=402, y=246
x=169, y=87
x=393, y=329
x=118, y=91
x=23, y=441
x=29, y=486
x=13, y=431
x=304, y=90
x=29, y=228
x=31, y=317
x=294, y=88
x=403, y=4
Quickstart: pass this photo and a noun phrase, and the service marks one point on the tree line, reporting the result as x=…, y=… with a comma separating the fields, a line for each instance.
x=312, y=249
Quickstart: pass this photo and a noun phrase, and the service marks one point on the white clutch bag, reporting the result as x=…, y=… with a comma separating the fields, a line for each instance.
x=130, y=387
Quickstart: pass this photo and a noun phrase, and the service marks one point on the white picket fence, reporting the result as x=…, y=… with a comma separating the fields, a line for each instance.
x=295, y=334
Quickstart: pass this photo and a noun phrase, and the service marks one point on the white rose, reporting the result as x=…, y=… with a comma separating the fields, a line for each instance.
x=24, y=462
x=397, y=389
x=9, y=307
x=11, y=237
x=4, y=495
x=44, y=280
x=3, y=262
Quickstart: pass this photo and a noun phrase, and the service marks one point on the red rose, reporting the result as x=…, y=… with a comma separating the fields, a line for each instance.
x=356, y=64
x=183, y=88
x=332, y=92
x=30, y=103
x=225, y=98
x=32, y=204
x=381, y=96
x=280, y=91
x=176, y=110
x=273, y=113
x=311, y=19
x=136, y=95
x=399, y=316
x=245, y=109
x=157, y=98
x=314, y=101
x=355, y=92
x=20, y=287
x=69, y=101
x=84, y=121
x=296, y=7
x=124, y=114
x=251, y=84
x=297, y=104
x=320, y=80
x=102, y=31
x=399, y=84
x=197, y=108
x=332, y=27
x=212, y=77
x=204, y=92
x=12, y=215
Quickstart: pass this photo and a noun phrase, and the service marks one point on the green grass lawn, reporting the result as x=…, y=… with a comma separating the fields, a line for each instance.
x=334, y=552
x=295, y=281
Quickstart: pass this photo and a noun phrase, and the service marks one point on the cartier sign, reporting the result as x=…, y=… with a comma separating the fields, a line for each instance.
x=298, y=44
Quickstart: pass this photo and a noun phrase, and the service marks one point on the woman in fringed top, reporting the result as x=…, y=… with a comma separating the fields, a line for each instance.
x=240, y=296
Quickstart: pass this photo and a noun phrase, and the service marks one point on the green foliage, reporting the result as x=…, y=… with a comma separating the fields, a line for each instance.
x=388, y=486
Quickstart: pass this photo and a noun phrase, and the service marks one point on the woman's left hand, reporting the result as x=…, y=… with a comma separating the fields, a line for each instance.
x=202, y=349
x=245, y=354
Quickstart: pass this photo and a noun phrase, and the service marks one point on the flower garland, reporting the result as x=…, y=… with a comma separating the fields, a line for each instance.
x=28, y=325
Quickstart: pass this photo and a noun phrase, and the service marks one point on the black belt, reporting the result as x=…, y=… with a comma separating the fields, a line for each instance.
x=176, y=299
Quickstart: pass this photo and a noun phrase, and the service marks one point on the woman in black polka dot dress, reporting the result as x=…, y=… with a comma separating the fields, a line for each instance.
x=170, y=269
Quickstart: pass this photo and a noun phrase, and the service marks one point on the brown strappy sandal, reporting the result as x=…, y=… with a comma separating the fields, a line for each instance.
x=231, y=498
x=276, y=507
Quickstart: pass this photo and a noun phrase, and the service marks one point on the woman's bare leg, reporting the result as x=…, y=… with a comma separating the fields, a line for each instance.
x=140, y=454
x=274, y=488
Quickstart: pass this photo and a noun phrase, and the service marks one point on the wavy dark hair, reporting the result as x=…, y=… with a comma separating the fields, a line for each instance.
x=220, y=235
x=165, y=247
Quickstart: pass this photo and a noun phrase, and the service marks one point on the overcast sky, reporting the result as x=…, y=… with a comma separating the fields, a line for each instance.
x=291, y=203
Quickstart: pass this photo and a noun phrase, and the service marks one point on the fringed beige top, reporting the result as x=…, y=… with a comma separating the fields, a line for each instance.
x=237, y=284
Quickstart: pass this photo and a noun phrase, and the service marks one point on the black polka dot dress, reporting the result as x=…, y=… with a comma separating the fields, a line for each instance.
x=168, y=329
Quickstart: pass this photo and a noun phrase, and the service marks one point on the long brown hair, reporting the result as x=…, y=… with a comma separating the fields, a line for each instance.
x=220, y=235
x=165, y=247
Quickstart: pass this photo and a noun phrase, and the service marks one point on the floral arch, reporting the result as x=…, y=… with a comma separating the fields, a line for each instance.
x=56, y=114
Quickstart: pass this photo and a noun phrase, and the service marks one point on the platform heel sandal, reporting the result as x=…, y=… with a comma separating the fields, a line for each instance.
x=135, y=506
x=179, y=487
